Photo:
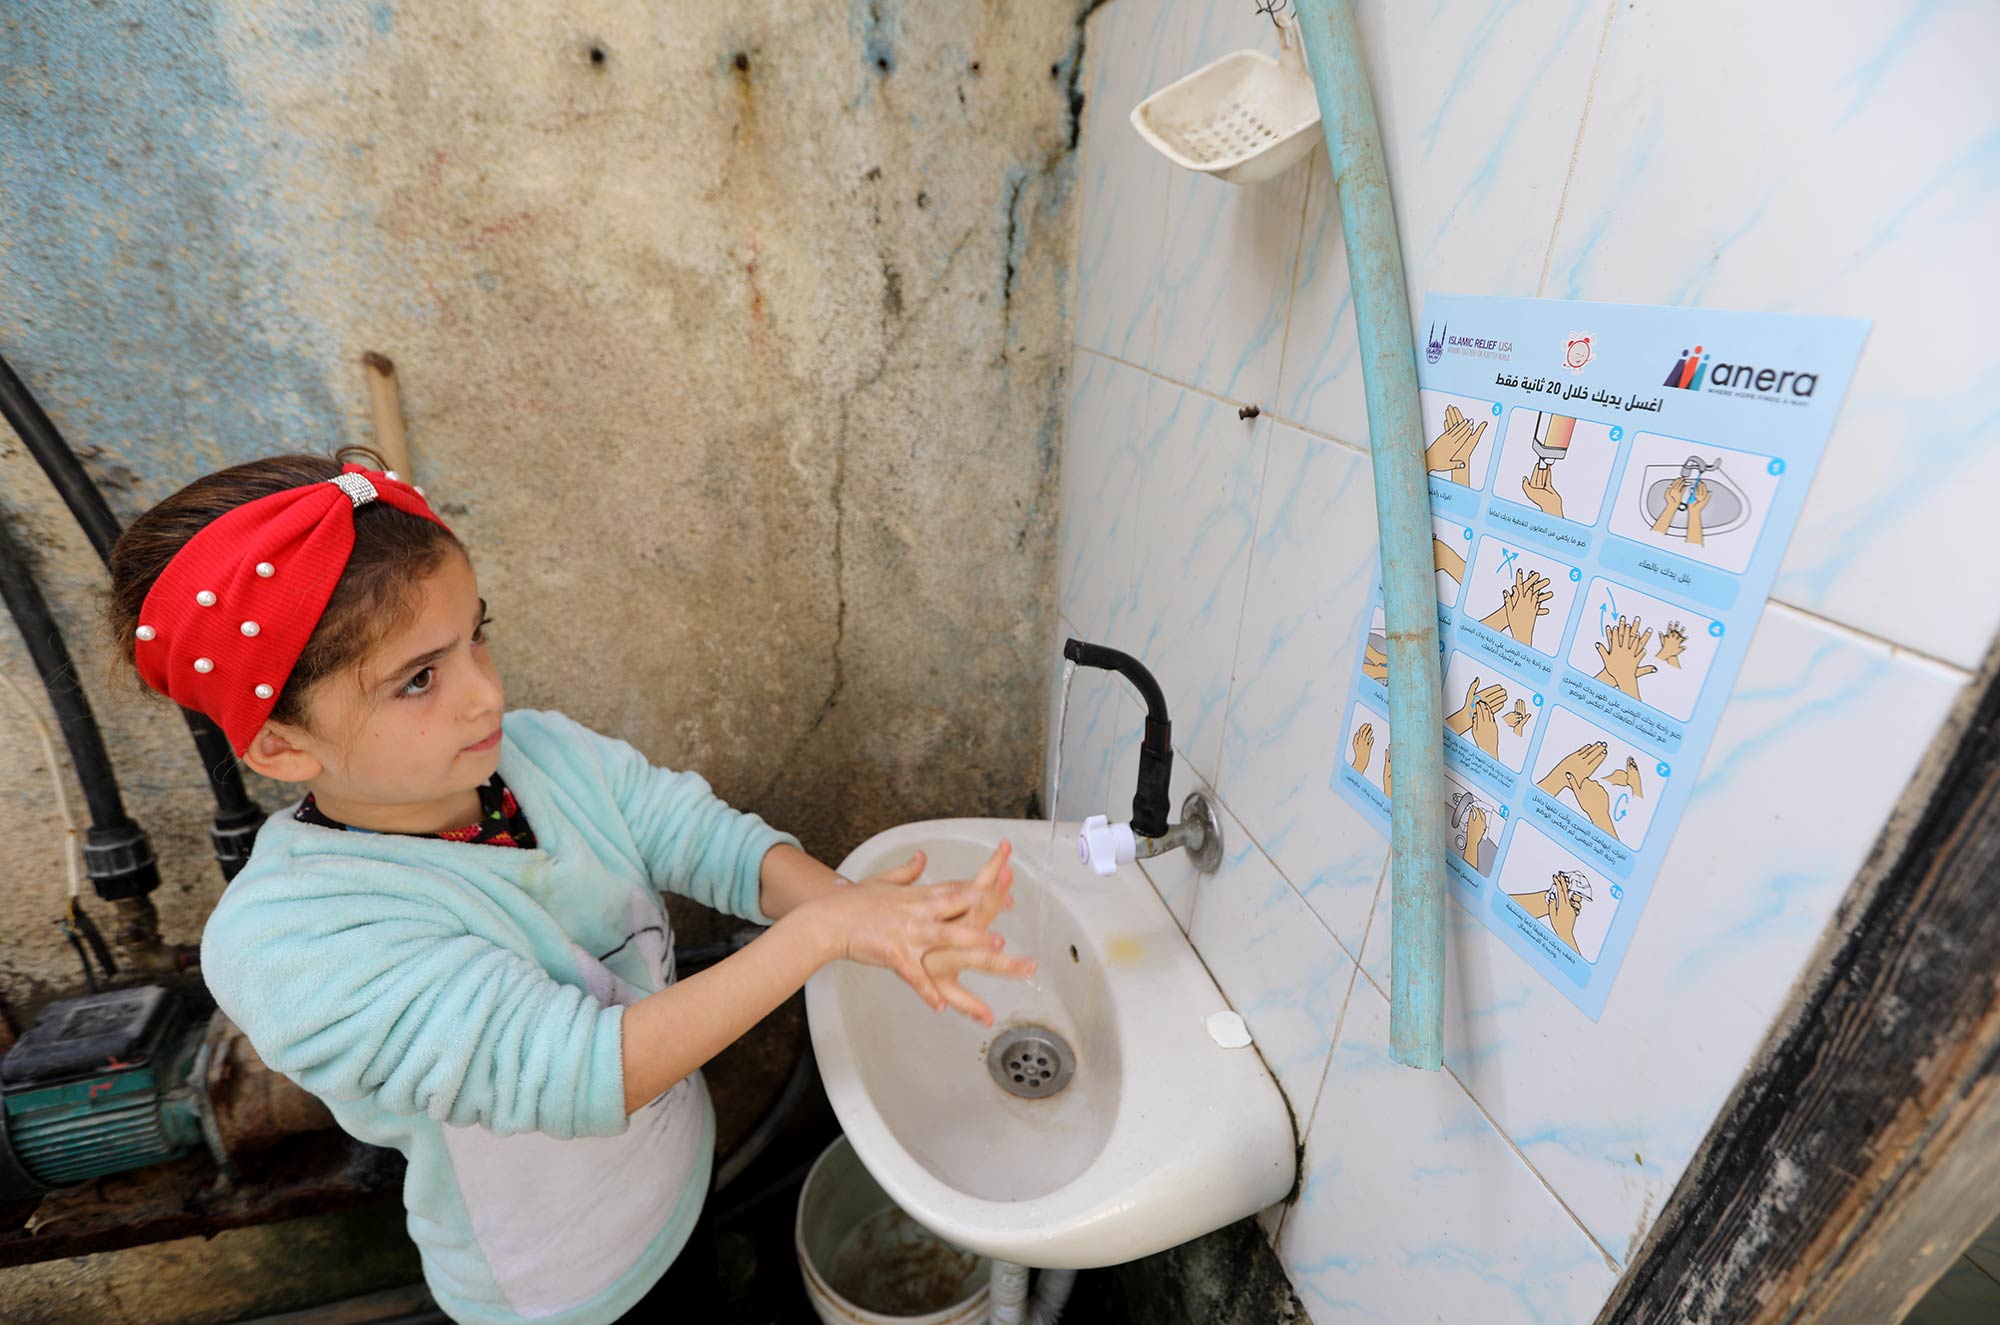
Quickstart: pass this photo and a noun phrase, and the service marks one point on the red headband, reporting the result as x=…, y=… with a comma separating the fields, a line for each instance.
x=226, y=621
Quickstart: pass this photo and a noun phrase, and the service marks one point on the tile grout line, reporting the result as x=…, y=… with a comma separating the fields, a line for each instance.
x=1818, y=618
x=1616, y=1266
x=1243, y=611
x=1262, y=411
x=1166, y=211
x=1576, y=148
x=1883, y=641
x=1611, y=1261
x=1277, y=869
x=1298, y=260
x=1312, y=1115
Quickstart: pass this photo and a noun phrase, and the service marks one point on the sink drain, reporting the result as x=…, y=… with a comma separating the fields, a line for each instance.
x=1031, y=1061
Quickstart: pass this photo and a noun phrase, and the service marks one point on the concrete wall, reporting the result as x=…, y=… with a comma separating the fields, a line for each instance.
x=1808, y=158
x=732, y=340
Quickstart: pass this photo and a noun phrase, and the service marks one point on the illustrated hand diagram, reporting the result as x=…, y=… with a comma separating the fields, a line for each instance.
x=1520, y=604
x=1620, y=655
x=1695, y=504
x=1450, y=453
x=1478, y=716
x=1673, y=640
x=1519, y=718
x=1576, y=773
x=1595, y=800
x=1388, y=766
x=1364, y=746
x=1578, y=765
x=1447, y=559
x=1628, y=777
x=1566, y=896
x=1475, y=833
x=1374, y=663
x=1486, y=725
x=1560, y=904
x=1539, y=485
x=1678, y=492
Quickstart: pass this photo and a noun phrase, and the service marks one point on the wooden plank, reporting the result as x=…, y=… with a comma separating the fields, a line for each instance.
x=310, y=1173
x=1849, y=1143
x=1948, y=1195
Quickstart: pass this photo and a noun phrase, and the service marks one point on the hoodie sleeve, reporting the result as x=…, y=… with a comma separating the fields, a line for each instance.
x=356, y=995
x=692, y=842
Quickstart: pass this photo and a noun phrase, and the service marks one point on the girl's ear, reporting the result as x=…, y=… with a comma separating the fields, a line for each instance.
x=273, y=753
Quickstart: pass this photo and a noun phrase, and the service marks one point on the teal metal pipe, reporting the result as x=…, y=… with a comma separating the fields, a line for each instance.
x=1403, y=511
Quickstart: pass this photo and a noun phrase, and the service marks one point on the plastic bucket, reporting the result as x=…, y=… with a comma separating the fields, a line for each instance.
x=865, y=1262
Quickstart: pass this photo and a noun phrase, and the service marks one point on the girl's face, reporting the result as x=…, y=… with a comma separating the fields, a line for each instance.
x=405, y=746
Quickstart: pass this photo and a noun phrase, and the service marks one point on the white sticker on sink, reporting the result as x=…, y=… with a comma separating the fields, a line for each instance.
x=1227, y=1029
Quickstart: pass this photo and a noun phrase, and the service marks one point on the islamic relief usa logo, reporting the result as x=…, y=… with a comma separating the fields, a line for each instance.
x=1434, y=347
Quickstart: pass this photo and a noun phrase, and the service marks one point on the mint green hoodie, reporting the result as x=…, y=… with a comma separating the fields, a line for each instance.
x=463, y=1003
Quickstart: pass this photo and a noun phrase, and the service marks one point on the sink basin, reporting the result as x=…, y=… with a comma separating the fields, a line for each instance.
x=1159, y=1136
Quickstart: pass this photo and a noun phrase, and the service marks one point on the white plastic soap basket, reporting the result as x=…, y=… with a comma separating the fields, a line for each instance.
x=1243, y=118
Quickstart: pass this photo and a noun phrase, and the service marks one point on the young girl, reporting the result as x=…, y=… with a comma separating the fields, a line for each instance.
x=456, y=939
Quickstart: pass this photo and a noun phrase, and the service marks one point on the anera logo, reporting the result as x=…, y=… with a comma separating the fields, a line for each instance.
x=1740, y=379
x=1687, y=371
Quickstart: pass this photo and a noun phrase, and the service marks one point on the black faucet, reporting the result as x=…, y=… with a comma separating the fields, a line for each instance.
x=1156, y=750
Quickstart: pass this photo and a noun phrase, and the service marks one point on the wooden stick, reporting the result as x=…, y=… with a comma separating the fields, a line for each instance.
x=386, y=408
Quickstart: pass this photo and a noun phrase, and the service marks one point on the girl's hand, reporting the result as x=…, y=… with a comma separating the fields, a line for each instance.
x=946, y=964
x=883, y=921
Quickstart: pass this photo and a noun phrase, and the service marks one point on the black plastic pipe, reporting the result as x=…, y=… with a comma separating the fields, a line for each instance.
x=1156, y=748
x=237, y=817
x=117, y=854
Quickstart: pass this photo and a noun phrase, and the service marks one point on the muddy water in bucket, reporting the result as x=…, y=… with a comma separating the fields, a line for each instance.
x=864, y=1260
x=893, y=1265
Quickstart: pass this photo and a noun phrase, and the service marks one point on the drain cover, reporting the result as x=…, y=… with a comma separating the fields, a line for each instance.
x=1031, y=1061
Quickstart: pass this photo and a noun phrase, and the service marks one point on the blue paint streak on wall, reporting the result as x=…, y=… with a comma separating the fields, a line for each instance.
x=1478, y=42
x=1951, y=427
x=878, y=32
x=1866, y=80
x=138, y=294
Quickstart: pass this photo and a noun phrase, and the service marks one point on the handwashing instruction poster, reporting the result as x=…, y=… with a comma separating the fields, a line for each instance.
x=1612, y=488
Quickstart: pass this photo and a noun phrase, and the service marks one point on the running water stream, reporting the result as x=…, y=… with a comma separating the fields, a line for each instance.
x=1055, y=781
x=1031, y=944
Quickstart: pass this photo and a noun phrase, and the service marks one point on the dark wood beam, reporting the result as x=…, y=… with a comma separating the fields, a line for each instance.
x=1861, y=1152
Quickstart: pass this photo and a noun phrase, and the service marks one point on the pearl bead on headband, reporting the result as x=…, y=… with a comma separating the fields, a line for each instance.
x=226, y=621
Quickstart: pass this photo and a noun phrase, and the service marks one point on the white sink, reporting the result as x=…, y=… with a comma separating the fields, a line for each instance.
x=1161, y=1135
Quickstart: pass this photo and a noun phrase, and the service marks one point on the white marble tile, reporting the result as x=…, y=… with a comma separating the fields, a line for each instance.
x=1963, y=1295
x=1173, y=874
x=1110, y=406
x=1276, y=963
x=1479, y=106
x=1227, y=283
x=1130, y=49
x=1088, y=743
x=1197, y=515
x=1311, y=572
x=1271, y=1219
x=1822, y=734
x=1415, y=1209
x=1985, y=1250
x=1839, y=160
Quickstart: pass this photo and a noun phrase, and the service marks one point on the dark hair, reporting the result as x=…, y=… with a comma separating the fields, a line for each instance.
x=377, y=596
